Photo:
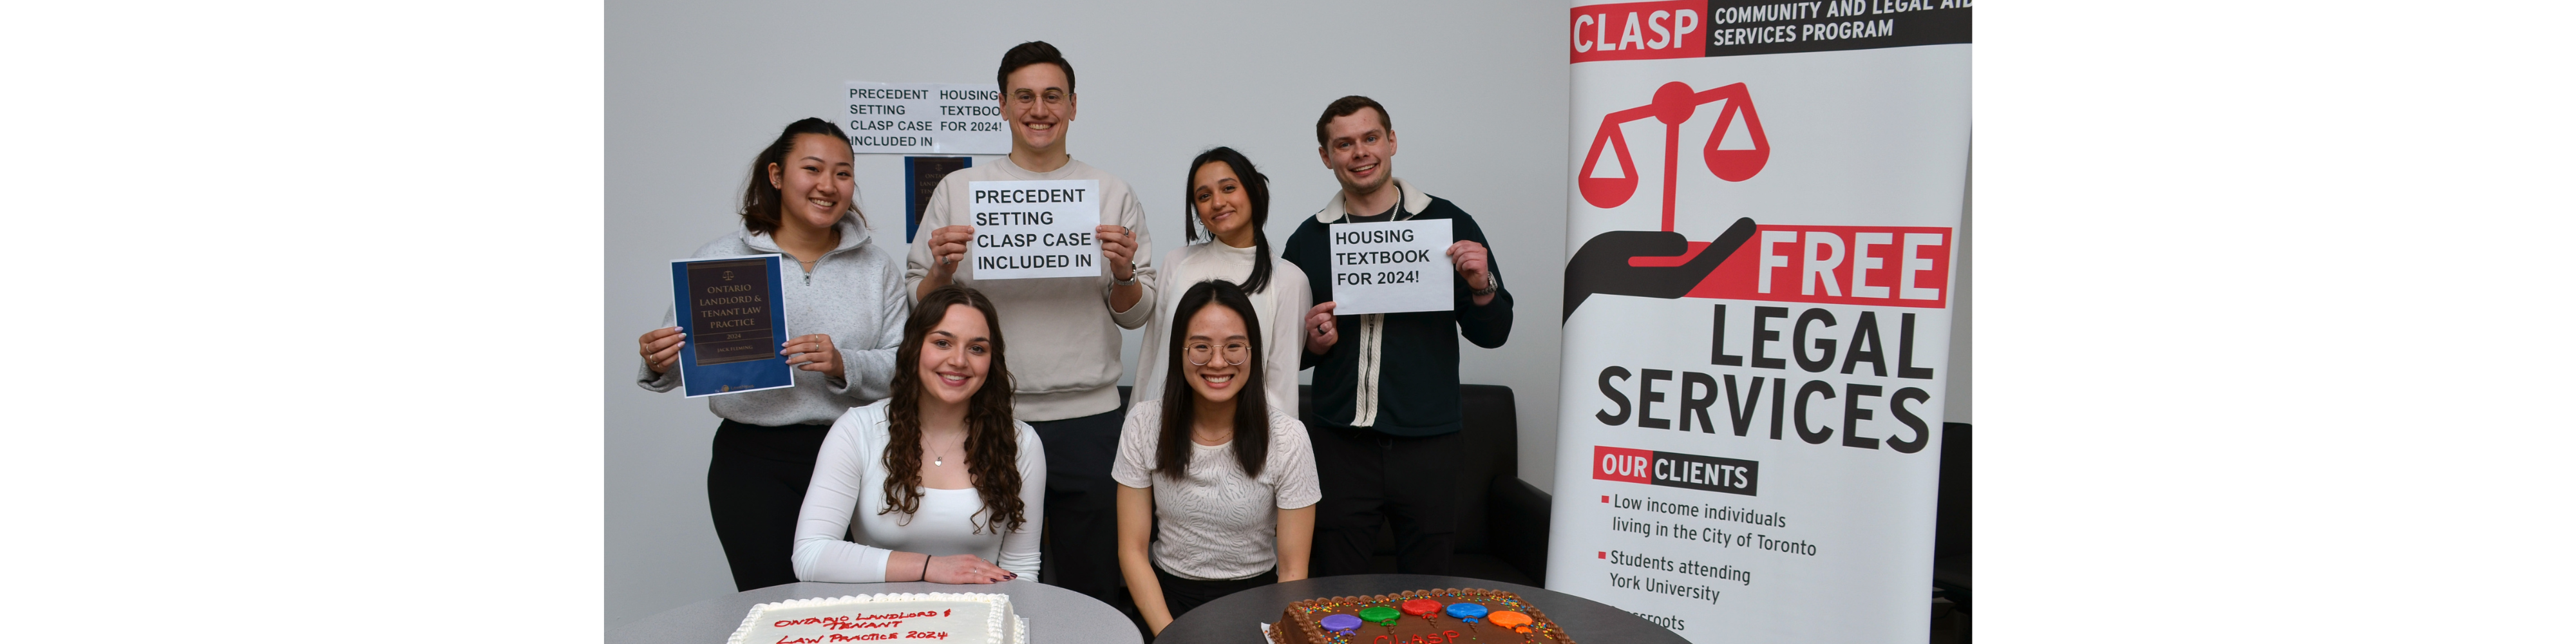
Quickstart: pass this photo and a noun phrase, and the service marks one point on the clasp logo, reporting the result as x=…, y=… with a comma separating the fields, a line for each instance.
x=1638, y=31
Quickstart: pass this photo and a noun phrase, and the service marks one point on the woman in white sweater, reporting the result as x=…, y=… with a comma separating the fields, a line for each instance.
x=1232, y=199
x=1230, y=476
x=938, y=482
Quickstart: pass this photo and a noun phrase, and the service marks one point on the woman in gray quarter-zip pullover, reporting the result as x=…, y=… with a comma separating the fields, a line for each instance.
x=845, y=301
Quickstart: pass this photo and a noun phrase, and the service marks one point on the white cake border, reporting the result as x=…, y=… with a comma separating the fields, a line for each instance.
x=993, y=626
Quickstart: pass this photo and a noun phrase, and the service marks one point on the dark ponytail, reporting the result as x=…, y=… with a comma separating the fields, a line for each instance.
x=760, y=200
x=1256, y=187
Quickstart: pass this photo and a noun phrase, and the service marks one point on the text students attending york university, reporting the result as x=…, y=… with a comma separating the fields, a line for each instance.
x=1067, y=366
x=1386, y=385
x=846, y=296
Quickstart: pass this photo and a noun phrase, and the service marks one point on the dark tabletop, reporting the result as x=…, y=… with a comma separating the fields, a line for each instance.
x=1237, y=618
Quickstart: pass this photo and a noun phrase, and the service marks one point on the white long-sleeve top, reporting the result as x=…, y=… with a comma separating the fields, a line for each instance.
x=1282, y=307
x=849, y=490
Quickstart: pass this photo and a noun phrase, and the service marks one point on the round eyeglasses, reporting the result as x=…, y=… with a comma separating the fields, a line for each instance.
x=1201, y=352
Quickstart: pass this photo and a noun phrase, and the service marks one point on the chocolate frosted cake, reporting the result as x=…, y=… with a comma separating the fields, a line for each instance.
x=1443, y=616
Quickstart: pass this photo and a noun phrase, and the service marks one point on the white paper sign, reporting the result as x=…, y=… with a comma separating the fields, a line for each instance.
x=1392, y=267
x=1026, y=229
x=916, y=118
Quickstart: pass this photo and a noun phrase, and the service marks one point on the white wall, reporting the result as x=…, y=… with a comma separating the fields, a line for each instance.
x=1477, y=92
x=694, y=89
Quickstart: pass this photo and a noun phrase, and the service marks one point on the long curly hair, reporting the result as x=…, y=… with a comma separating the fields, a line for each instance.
x=992, y=439
x=1251, y=443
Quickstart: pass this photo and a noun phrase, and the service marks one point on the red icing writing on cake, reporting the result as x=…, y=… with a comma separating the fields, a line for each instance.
x=863, y=637
x=847, y=619
x=1431, y=638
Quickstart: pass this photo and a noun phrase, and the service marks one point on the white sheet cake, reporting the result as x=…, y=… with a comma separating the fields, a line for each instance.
x=947, y=618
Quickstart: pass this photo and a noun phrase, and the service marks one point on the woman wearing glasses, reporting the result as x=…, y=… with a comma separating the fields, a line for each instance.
x=1230, y=477
x=1231, y=199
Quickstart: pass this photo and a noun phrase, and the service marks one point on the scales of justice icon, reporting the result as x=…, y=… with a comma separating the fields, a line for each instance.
x=1662, y=263
x=1673, y=104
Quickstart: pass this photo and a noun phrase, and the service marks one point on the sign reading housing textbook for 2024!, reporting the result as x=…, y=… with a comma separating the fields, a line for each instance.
x=1757, y=311
x=1392, y=267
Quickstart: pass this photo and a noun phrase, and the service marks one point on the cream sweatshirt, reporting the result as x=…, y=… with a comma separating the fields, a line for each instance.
x=1060, y=336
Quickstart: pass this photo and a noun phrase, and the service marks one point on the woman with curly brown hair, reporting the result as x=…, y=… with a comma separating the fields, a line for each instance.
x=937, y=483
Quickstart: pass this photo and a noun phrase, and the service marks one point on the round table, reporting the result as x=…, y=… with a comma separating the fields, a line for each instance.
x=1237, y=618
x=1056, y=615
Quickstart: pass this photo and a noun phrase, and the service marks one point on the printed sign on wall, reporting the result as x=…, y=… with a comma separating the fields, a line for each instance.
x=1392, y=267
x=924, y=118
x=1764, y=213
x=1026, y=229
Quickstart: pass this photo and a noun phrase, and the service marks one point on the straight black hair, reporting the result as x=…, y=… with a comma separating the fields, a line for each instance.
x=1180, y=405
x=1256, y=186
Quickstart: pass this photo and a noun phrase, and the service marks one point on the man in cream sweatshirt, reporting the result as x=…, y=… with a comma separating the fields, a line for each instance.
x=1061, y=334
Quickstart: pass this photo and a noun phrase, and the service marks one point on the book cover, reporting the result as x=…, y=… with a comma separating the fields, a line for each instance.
x=729, y=306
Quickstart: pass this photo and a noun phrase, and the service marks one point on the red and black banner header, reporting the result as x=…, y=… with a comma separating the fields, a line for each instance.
x=1708, y=28
x=1671, y=469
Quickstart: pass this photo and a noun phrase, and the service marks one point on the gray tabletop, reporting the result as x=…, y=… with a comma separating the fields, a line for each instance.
x=1056, y=615
x=1237, y=618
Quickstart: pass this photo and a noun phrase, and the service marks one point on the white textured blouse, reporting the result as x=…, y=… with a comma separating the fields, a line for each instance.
x=1216, y=522
x=849, y=490
x=1282, y=307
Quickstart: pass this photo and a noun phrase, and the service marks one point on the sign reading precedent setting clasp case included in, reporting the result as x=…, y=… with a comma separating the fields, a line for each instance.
x=924, y=118
x=1030, y=229
x=1392, y=267
x=729, y=306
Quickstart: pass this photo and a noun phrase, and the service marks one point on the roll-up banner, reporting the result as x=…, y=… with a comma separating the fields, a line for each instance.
x=1757, y=311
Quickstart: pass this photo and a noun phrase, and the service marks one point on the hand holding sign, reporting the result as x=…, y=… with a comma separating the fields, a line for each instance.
x=661, y=348
x=813, y=352
x=1469, y=258
x=1321, y=330
x=1119, y=246
x=948, y=249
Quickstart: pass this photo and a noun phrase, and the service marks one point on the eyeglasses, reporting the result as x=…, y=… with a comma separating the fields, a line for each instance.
x=1235, y=353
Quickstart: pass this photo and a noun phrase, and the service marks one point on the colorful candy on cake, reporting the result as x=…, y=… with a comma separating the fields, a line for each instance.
x=1443, y=616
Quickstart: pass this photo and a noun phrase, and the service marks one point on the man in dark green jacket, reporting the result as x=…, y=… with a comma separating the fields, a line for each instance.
x=1385, y=419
